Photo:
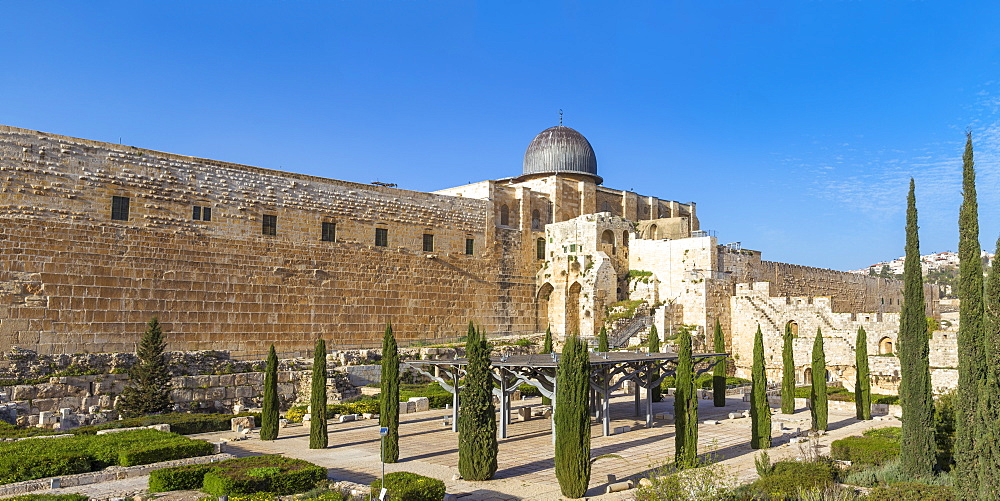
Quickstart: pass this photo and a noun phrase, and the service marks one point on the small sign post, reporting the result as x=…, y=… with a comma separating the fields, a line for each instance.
x=382, y=432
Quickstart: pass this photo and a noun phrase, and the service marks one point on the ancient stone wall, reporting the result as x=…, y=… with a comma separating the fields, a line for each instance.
x=74, y=280
x=850, y=292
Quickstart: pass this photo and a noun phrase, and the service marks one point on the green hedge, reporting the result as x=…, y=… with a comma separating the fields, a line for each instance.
x=911, y=490
x=276, y=474
x=889, y=432
x=787, y=478
x=8, y=430
x=703, y=381
x=179, y=478
x=840, y=394
x=47, y=457
x=438, y=396
x=406, y=486
x=364, y=405
x=865, y=450
x=180, y=422
x=529, y=391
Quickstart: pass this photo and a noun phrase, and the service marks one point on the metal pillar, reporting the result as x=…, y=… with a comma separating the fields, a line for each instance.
x=504, y=405
x=649, y=396
x=454, y=402
x=638, y=396
x=555, y=383
x=606, y=404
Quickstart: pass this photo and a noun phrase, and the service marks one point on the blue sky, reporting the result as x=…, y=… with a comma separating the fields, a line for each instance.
x=795, y=126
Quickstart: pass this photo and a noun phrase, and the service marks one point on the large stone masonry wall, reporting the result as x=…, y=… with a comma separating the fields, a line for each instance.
x=849, y=292
x=72, y=280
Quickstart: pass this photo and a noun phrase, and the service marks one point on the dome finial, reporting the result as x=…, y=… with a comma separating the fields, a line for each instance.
x=560, y=117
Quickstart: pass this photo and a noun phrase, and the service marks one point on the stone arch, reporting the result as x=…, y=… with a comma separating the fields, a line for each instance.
x=504, y=215
x=795, y=327
x=542, y=307
x=536, y=219
x=885, y=346
x=608, y=237
x=807, y=378
x=652, y=232
x=573, y=309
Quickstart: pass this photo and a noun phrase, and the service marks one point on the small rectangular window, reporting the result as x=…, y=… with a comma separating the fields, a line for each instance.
x=206, y=213
x=270, y=225
x=540, y=248
x=119, y=208
x=381, y=237
x=329, y=232
x=470, y=244
x=428, y=242
x=196, y=215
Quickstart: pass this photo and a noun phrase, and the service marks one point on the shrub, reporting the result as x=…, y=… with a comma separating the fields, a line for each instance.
x=276, y=474
x=178, y=478
x=865, y=450
x=8, y=430
x=787, y=478
x=406, y=486
x=889, y=432
x=297, y=413
x=368, y=404
x=529, y=391
x=911, y=490
x=31, y=459
x=180, y=423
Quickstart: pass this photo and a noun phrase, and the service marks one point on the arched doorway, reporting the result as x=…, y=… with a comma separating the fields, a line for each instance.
x=652, y=232
x=573, y=309
x=794, y=327
x=885, y=346
x=807, y=378
x=542, y=307
x=608, y=242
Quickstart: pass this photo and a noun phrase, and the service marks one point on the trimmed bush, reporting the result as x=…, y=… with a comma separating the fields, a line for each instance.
x=865, y=450
x=49, y=497
x=889, y=432
x=179, y=478
x=8, y=430
x=787, y=478
x=248, y=475
x=911, y=490
x=180, y=423
x=31, y=459
x=406, y=486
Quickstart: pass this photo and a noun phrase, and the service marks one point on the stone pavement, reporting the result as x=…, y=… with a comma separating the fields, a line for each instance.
x=525, y=460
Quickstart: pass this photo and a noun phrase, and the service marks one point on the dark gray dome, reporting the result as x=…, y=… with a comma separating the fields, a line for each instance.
x=561, y=150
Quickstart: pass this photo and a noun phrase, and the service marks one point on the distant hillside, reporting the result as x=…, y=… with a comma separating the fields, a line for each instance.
x=940, y=268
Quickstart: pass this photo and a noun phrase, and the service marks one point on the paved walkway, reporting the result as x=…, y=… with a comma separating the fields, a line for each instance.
x=525, y=457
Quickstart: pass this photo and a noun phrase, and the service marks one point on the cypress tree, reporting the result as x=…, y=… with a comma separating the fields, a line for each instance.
x=388, y=416
x=318, y=437
x=148, y=389
x=654, y=347
x=269, y=414
x=971, y=356
x=546, y=349
x=787, y=372
x=917, y=446
x=572, y=419
x=477, y=426
x=719, y=371
x=863, y=383
x=760, y=411
x=602, y=341
x=989, y=401
x=817, y=395
x=685, y=405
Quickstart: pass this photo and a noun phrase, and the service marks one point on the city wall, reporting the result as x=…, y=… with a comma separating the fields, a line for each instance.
x=74, y=280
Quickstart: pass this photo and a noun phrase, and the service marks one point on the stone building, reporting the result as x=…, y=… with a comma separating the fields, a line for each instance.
x=98, y=237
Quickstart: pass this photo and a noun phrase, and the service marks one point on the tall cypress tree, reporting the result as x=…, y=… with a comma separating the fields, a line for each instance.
x=477, y=426
x=685, y=404
x=654, y=347
x=760, y=411
x=148, y=389
x=917, y=446
x=989, y=401
x=719, y=371
x=817, y=395
x=318, y=437
x=572, y=419
x=388, y=416
x=971, y=356
x=269, y=414
x=602, y=341
x=787, y=372
x=546, y=349
x=863, y=383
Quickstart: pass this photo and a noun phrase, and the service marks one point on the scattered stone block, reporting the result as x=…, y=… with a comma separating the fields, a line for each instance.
x=218, y=447
x=160, y=427
x=645, y=482
x=420, y=404
x=620, y=486
x=244, y=421
x=622, y=429
x=282, y=423
x=367, y=415
x=735, y=415
x=666, y=416
x=348, y=417
x=612, y=479
x=94, y=409
x=524, y=414
x=710, y=421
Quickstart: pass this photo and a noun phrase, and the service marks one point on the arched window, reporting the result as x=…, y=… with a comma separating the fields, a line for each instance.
x=536, y=219
x=608, y=237
x=794, y=327
x=540, y=248
x=652, y=232
x=504, y=215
